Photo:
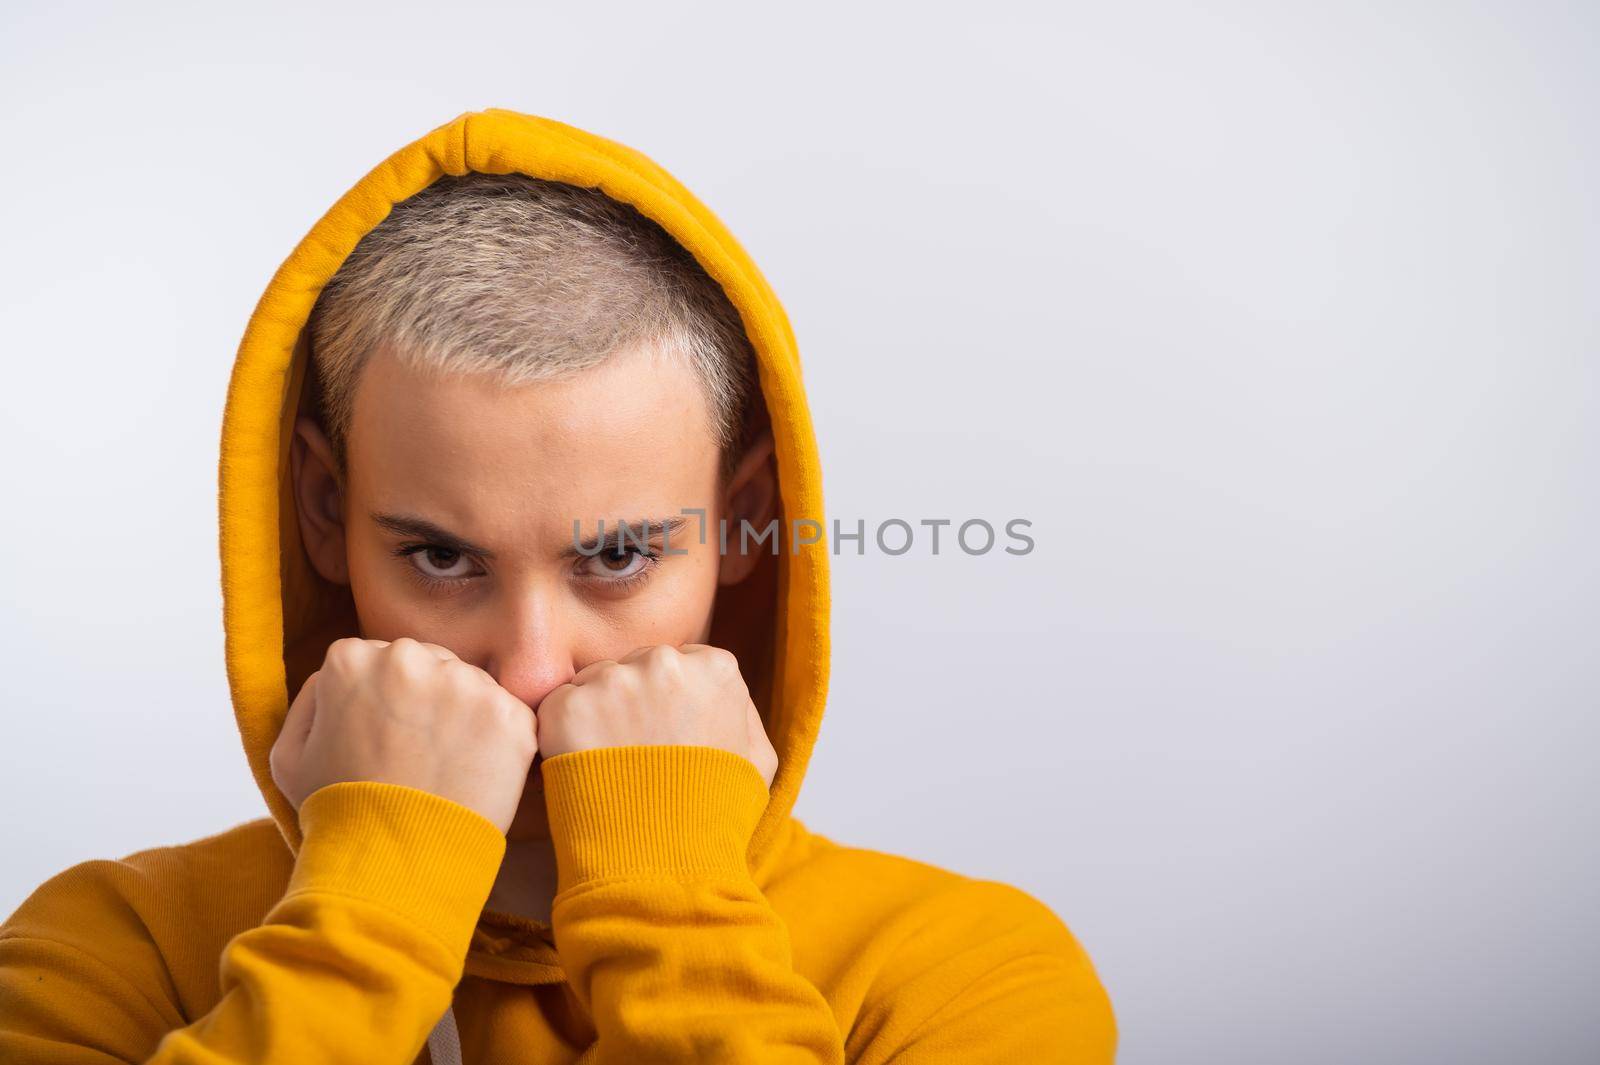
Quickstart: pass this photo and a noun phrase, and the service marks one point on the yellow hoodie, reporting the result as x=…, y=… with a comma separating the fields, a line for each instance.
x=695, y=920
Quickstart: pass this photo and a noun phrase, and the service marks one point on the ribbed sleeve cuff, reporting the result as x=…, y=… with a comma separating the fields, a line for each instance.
x=432, y=860
x=672, y=809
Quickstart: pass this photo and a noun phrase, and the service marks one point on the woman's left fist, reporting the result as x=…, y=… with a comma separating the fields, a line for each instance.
x=660, y=694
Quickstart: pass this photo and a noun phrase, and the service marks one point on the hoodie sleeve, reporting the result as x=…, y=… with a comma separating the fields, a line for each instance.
x=666, y=940
x=355, y=963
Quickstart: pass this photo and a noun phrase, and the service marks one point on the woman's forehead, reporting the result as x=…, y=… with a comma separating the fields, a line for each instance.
x=630, y=434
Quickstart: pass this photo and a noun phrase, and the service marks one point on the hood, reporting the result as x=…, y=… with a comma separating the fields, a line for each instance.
x=279, y=615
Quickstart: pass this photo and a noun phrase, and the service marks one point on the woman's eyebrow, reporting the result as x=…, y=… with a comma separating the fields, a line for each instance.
x=411, y=525
x=623, y=533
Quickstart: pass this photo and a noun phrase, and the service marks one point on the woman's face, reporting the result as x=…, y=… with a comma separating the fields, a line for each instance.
x=456, y=522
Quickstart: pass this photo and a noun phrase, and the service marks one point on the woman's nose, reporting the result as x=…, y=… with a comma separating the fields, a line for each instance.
x=532, y=652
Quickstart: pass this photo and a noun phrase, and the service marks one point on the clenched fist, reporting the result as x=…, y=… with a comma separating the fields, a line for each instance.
x=658, y=695
x=409, y=713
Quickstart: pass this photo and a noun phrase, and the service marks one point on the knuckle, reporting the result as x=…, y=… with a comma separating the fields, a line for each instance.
x=342, y=650
x=662, y=658
x=409, y=657
x=556, y=701
x=512, y=716
x=278, y=769
x=595, y=669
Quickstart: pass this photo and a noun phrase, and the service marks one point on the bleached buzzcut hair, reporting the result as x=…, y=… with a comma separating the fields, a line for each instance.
x=524, y=280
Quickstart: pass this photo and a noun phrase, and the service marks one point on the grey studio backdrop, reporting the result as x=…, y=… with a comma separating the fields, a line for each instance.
x=1277, y=321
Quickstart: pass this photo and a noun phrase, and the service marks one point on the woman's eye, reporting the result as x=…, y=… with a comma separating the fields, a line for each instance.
x=615, y=564
x=447, y=561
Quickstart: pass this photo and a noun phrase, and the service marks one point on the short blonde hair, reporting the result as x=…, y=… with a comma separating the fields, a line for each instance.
x=525, y=280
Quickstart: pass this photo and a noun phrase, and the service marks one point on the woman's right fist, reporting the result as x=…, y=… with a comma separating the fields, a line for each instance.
x=407, y=712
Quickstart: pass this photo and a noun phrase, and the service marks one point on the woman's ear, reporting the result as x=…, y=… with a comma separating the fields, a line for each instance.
x=319, y=500
x=751, y=496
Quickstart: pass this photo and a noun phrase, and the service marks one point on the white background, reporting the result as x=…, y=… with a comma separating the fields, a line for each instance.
x=1278, y=322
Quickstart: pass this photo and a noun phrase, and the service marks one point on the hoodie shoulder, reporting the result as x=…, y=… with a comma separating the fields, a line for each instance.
x=921, y=945
x=160, y=917
x=894, y=894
